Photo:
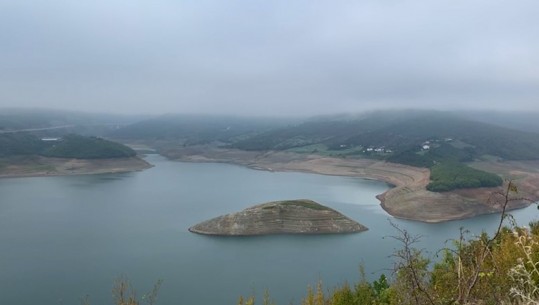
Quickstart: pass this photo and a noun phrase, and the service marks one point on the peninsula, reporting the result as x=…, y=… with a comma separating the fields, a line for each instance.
x=23, y=155
x=280, y=217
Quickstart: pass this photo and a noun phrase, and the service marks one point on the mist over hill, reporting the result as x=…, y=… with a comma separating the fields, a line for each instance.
x=197, y=129
x=387, y=134
x=396, y=135
x=47, y=122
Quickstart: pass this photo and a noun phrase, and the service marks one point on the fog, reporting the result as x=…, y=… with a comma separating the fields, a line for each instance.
x=274, y=57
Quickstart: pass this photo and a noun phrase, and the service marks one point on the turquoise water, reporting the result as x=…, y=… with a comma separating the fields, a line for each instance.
x=62, y=238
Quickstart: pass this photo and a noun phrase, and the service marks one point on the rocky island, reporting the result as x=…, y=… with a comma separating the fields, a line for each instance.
x=280, y=217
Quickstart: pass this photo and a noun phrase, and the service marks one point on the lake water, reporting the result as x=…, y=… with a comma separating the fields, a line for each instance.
x=62, y=238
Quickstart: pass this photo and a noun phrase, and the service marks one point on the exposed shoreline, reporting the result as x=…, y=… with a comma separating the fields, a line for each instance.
x=406, y=199
x=37, y=166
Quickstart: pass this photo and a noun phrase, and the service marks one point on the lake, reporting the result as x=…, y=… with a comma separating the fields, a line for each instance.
x=62, y=238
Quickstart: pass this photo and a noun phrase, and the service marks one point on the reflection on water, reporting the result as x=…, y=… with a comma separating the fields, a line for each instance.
x=65, y=237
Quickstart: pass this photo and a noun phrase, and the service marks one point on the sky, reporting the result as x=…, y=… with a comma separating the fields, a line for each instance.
x=278, y=57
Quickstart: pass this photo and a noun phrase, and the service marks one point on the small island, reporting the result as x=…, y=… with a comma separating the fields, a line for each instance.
x=280, y=217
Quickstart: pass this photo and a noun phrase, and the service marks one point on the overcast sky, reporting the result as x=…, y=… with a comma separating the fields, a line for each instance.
x=268, y=57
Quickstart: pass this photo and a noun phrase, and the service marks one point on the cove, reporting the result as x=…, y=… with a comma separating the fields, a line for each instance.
x=66, y=237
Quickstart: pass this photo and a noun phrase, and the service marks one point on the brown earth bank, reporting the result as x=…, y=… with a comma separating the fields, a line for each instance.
x=300, y=216
x=31, y=166
x=408, y=199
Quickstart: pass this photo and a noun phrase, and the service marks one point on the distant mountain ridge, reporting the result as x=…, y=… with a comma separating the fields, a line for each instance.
x=396, y=135
x=401, y=132
x=197, y=129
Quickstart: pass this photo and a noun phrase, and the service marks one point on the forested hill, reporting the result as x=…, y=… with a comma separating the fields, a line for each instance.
x=399, y=136
x=69, y=146
x=197, y=129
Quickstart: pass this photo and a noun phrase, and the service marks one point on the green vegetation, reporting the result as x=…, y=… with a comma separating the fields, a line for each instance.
x=324, y=150
x=12, y=144
x=79, y=147
x=305, y=204
x=442, y=152
x=450, y=176
x=196, y=129
x=70, y=146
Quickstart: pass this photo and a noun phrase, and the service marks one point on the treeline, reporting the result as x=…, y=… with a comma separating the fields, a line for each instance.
x=79, y=147
x=14, y=144
x=70, y=146
x=450, y=176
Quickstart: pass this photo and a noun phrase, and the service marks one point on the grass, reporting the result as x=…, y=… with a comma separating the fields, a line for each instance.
x=460, y=145
x=310, y=149
x=43, y=167
x=323, y=150
x=305, y=204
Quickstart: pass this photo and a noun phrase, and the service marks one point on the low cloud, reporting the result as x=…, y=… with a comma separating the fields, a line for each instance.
x=268, y=57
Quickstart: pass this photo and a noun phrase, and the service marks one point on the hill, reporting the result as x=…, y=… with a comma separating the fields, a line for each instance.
x=397, y=134
x=280, y=217
x=70, y=146
x=79, y=147
x=196, y=129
